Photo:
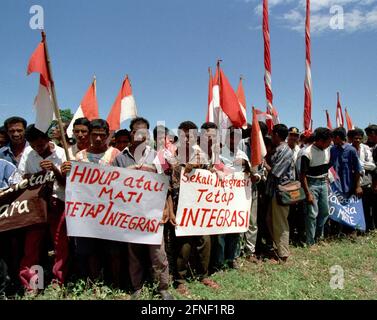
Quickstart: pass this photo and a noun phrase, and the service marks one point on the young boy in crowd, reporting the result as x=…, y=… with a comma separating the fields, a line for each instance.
x=45, y=156
x=314, y=179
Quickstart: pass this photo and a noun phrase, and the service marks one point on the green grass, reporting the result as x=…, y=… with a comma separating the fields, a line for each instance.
x=306, y=275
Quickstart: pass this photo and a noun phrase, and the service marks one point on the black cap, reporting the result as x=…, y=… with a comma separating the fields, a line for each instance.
x=293, y=130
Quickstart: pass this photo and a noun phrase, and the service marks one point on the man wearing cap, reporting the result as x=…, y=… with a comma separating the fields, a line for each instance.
x=296, y=217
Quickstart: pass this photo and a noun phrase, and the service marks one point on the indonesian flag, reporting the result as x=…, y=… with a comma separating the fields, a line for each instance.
x=242, y=100
x=213, y=98
x=124, y=106
x=329, y=124
x=88, y=107
x=339, y=113
x=350, y=125
x=258, y=151
x=43, y=102
x=229, y=103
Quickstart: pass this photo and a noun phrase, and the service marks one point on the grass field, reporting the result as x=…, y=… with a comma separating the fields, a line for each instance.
x=306, y=275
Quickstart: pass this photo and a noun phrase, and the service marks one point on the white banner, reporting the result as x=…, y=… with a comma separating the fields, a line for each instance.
x=115, y=203
x=208, y=205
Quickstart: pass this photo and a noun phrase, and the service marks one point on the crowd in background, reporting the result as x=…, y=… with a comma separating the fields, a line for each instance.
x=345, y=158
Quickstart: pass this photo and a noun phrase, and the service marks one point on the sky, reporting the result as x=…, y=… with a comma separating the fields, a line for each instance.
x=167, y=46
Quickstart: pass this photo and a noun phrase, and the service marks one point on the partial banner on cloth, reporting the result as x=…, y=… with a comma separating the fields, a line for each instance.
x=210, y=205
x=24, y=204
x=114, y=203
x=346, y=210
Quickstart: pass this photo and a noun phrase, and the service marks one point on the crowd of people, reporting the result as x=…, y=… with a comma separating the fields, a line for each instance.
x=312, y=159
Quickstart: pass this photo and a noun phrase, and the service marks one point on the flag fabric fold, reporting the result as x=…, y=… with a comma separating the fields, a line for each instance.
x=124, y=106
x=43, y=102
x=229, y=103
x=258, y=151
x=242, y=100
x=88, y=107
x=329, y=124
x=339, y=113
x=349, y=122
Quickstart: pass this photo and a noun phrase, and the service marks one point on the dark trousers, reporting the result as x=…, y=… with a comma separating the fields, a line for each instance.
x=11, y=252
x=197, y=246
x=264, y=240
x=370, y=208
x=141, y=256
x=296, y=220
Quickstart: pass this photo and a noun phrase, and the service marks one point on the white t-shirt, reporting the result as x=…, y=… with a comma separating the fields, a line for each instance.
x=30, y=165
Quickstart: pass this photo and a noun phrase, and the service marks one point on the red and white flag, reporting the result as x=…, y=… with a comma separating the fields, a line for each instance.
x=329, y=124
x=242, y=100
x=339, y=113
x=258, y=151
x=88, y=107
x=350, y=125
x=124, y=106
x=43, y=101
x=267, y=65
x=308, y=75
x=213, y=98
x=229, y=103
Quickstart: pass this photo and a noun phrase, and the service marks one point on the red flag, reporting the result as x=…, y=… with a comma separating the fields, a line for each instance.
x=43, y=102
x=308, y=76
x=229, y=102
x=267, y=66
x=350, y=125
x=329, y=125
x=124, y=106
x=242, y=100
x=257, y=143
x=339, y=113
x=88, y=107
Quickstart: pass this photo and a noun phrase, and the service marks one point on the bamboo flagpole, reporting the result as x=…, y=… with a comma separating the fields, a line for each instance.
x=54, y=99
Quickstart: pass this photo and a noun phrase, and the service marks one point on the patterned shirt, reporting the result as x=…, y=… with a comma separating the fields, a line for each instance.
x=282, y=168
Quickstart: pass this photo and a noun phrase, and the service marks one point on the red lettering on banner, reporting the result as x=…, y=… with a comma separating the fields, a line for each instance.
x=93, y=176
x=140, y=183
x=131, y=194
x=105, y=190
x=217, y=197
x=67, y=207
x=75, y=208
x=139, y=198
x=212, y=217
x=205, y=211
x=76, y=173
x=107, y=213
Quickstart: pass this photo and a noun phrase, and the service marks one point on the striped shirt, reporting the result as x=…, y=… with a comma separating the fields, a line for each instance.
x=315, y=162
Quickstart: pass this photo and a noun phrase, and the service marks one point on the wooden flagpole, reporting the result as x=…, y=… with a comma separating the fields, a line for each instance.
x=54, y=100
